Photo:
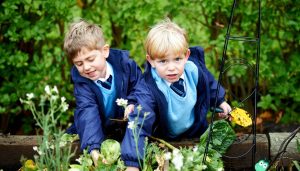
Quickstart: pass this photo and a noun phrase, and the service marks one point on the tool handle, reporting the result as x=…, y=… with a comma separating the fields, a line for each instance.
x=217, y=110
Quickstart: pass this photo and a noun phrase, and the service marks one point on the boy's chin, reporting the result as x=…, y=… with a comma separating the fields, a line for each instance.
x=171, y=80
x=90, y=78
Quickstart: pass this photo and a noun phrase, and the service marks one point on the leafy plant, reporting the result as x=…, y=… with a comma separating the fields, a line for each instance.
x=186, y=158
x=54, y=148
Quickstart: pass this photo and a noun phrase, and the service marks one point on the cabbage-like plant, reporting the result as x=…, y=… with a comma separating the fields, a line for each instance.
x=110, y=151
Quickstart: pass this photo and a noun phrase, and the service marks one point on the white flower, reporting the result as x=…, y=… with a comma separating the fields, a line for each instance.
x=63, y=99
x=177, y=159
x=47, y=89
x=65, y=107
x=122, y=102
x=220, y=169
x=51, y=146
x=139, y=108
x=131, y=125
x=54, y=97
x=55, y=89
x=79, y=160
x=35, y=148
x=30, y=96
x=146, y=114
x=195, y=149
x=176, y=152
x=167, y=156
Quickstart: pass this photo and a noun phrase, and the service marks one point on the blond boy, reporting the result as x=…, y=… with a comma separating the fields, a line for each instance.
x=176, y=89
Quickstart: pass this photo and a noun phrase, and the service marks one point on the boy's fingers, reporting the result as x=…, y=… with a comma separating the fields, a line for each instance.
x=95, y=156
x=128, y=110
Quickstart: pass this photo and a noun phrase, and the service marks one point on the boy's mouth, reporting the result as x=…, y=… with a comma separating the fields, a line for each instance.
x=172, y=76
x=91, y=74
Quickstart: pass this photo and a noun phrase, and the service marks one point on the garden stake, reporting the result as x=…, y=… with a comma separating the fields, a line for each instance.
x=224, y=60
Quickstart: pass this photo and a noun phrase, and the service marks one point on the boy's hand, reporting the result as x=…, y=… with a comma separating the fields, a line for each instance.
x=95, y=156
x=226, y=110
x=128, y=110
x=132, y=169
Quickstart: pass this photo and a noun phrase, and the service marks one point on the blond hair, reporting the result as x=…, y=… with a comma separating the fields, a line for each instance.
x=82, y=35
x=165, y=36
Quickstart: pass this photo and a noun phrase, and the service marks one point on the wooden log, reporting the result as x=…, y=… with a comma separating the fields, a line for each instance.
x=291, y=152
x=13, y=147
x=238, y=156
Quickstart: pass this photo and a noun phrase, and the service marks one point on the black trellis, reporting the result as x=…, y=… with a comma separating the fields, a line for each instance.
x=227, y=64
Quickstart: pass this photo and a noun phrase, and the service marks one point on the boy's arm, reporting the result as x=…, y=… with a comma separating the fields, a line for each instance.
x=87, y=118
x=213, y=83
x=134, y=78
x=129, y=147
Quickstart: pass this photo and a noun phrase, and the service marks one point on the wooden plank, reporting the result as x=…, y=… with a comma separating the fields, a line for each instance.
x=239, y=154
x=291, y=153
x=12, y=147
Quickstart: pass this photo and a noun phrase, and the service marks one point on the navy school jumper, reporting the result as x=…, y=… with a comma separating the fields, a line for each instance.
x=153, y=100
x=89, y=113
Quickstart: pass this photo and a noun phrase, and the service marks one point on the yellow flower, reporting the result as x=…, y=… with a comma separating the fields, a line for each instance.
x=241, y=117
x=30, y=165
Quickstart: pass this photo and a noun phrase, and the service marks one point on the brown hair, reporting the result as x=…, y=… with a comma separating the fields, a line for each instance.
x=82, y=34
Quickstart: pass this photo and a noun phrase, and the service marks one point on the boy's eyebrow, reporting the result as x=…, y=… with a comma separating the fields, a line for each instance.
x=91, y=55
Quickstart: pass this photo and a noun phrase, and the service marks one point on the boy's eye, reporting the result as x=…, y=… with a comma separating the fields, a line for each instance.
x=91, y=59
x=162, y=61
x=78, y=63
x=178, y=59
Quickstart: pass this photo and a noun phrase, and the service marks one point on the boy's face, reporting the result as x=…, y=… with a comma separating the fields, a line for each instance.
x=171, y=66
x=91, y=64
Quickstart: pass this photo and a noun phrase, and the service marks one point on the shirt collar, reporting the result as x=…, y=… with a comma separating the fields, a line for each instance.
x=108, y=73
x=168, y=83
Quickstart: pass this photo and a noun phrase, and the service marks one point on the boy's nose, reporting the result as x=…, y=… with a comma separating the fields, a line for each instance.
x=86, y=67
x=171, y=66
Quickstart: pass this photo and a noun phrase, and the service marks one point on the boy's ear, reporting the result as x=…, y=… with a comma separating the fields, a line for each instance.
x=187, y=54
x=105, y=50
x=150, y=61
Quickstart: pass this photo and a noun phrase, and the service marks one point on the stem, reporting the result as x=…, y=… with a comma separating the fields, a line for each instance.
x=136, y=139
x=137, y=136
x=164, y=142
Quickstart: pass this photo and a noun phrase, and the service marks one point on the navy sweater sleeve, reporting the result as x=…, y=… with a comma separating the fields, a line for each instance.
x=213, y=83
x=134, y=78
x=144, y=127
x=86, y=116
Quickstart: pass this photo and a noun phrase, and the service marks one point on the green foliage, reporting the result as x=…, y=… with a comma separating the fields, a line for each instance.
x=192, y=158
x=54, y=148
x=32, y=32
x=31, y=55
x=109, y=159
x=110, y=150
x=222, y=136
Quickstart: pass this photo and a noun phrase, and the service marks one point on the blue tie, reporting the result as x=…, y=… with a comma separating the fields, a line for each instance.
x=178, y=87
x=106, y=84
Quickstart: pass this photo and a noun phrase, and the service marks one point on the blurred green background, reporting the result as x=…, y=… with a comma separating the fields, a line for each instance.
x=32, y=33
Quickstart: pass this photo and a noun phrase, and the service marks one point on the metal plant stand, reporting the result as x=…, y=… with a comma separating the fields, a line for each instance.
x=233, y=61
